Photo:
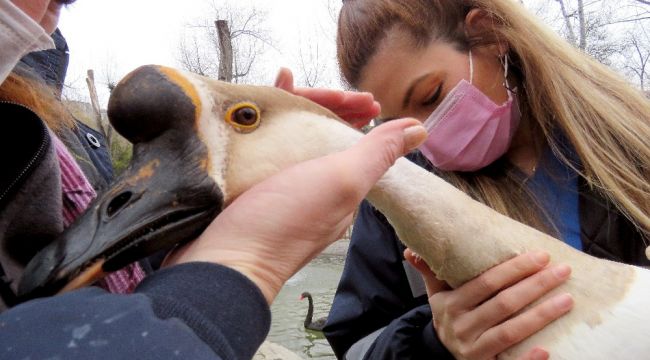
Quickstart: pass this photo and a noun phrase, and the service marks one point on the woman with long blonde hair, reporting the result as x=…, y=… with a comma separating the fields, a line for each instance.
x=521, y=121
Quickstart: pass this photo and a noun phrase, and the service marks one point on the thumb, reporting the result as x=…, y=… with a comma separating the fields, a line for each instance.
x=430, y=280
x=284, y=80
x=378, y=150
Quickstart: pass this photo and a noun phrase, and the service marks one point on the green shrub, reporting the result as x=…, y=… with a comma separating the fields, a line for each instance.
x=121, y=153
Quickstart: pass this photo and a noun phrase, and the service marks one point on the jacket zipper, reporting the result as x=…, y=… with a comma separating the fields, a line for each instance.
x=39, y=153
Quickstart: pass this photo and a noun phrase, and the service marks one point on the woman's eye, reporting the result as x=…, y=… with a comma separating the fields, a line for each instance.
x=434, y=98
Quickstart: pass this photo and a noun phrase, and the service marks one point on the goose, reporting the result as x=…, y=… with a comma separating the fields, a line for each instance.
x=199, y=143
x=309, y=324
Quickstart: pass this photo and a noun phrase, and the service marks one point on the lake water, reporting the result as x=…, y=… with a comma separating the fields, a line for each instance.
x=320, y=278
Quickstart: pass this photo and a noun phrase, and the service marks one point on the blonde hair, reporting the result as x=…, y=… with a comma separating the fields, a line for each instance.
x=606, y=120
x=564, y=91
x=37, y=96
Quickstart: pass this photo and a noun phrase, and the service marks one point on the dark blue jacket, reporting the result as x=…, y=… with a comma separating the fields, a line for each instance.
x=191, y=311
x=51, y=65
x=375, y=290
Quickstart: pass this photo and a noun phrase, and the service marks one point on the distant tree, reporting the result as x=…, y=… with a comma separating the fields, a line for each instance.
x=316, y=60
x=613, y=32
x=309, y=65
x=638, y=57
x=193, y=56
x=584, y=25
x=109, y=74
x=199, y=50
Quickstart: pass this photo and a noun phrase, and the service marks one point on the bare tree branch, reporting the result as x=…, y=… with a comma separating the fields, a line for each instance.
x=571, y=35
x=309, y=65
x=97, y=111
x=248, y=39
x=638, y=57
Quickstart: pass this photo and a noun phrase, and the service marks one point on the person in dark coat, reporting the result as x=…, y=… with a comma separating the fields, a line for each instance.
x=52, y=66
x=89, y=172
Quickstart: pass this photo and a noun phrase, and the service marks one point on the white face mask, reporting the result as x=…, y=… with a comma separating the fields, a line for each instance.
x=19, y=35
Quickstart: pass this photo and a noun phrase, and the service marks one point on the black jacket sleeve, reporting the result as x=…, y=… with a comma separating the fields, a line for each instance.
x=374, y=292
x=191, y=311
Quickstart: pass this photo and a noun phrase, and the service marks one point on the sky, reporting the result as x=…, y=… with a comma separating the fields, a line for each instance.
x=115, y=37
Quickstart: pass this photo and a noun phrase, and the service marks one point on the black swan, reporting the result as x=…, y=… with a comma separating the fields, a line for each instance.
x=317, y=325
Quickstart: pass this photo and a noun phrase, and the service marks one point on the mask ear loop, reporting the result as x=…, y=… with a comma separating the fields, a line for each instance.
x=506, y=69
x=511, y=92
x=471, y=68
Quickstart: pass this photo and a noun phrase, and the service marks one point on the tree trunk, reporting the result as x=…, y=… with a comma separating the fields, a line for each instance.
x=225, y=51
x=567, y=21
x=97, y=110
x=583, y=25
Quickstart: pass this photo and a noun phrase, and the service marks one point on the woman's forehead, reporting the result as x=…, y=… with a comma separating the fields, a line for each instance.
x=398, y=63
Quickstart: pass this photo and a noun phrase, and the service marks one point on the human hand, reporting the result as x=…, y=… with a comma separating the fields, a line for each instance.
x=279, y=225
x=354, y=107
x=478, y=321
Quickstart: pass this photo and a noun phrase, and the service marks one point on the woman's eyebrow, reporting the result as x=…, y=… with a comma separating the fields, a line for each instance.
x=411, y=89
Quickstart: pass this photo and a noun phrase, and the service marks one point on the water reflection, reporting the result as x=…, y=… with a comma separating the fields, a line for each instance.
x=320, y=278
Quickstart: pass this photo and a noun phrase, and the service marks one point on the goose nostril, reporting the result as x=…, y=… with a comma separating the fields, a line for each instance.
x=118, y=203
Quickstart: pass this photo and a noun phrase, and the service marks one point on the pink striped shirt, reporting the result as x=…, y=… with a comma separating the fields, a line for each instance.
x=77, y=195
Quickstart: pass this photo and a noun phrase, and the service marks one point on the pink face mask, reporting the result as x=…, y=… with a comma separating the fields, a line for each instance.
x=468, y=131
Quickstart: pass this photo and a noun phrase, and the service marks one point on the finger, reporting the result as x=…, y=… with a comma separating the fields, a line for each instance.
x=351, y=106
x=360, y=119
x=358, y=106
x=535, y=354
x=515, y=298
x=358, y=123
x=284, y=80
x=328, y=98
x=431, y=282
x=355, y=108
x=501, y=276
x=515, y=330
x=377, y=151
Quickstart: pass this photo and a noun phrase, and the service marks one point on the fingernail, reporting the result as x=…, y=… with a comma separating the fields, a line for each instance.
x=561, y=271
x=540, y=258
x=414, y=136
x=564, y=302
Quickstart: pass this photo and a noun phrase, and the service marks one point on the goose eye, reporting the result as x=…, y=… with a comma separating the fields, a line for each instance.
x=244, y=117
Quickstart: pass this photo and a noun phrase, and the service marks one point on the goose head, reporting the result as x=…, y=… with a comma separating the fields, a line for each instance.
x=198, y=144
